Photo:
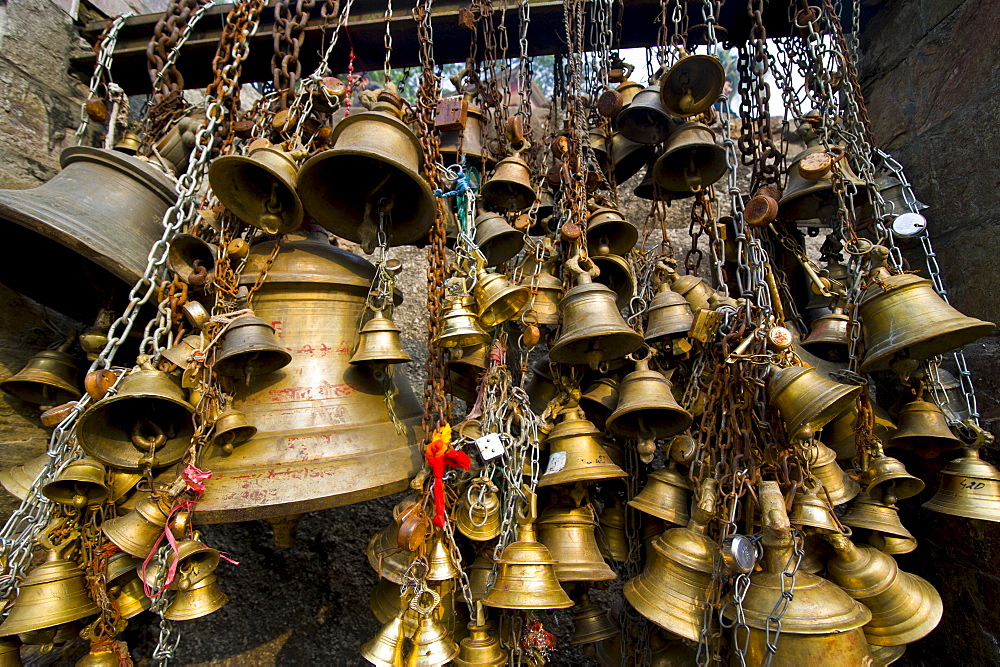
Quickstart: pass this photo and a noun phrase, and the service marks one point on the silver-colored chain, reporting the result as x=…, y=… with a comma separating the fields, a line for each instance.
x=773, y=624
x=103, y=67
x=169, y=637
x=386, y=68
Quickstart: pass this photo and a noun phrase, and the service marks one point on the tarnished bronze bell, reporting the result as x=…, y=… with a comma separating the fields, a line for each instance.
x=600, y=400
x=970, y=487
x=201, y=599
x=888, y=479
x=496, y=239
x=509, y=188
x=576, y=453
x=192, y=259
x=821, y=624
x=615, y=274
x=260, y=188
x=384, y=553
x=470, y=137
x=648, y=188
x=672, y=591
x=90, y=226
x=135, y=533
x=124, y=585
x=840, y=436
x=548, y=294
x=379, y=343
x=692, y=85
x=527, y=576
x=810, y=509
x=691, y=159
x=591, y=623
x=459, y=325
x=865, y=512
x=49, y=378
x=904, y=607
x=465, y=370
x=892, y=545
x=692, y=288
x=497, y=299
x=249, y=347
x=647, y=409
x=611, y=538
x=147, y=422
x=385, y=649
x=477, y=514
x=17, y=479
x=670, y=316
x=609, y=230
x=924, y=429
x=479, y=573
x=840, y=487
x=828, y=339
x=52, y=593
x=625, y=157
x=325, y=437
x=806, y=400
x=665, y=496
x=814, y=198
x=645, y=120
x=231, y=429
x=80, y=484
x=374, y=165
x=480, y=648
x=568, y=533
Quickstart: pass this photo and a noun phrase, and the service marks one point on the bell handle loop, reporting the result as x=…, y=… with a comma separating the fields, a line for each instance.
x=422, y=608
x=140, y=435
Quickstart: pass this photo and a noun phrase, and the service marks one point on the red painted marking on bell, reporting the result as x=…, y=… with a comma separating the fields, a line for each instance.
x=323, y=391
x=278, y=328
x=344, y=349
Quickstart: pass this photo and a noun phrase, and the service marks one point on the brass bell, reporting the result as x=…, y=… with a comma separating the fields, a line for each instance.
x=80, y=484
x=10, y=652
x=509, y=188
x=600, y=400
x=478, y=518
x=136, y=532
x=691, y=159
x=576, y=453
x=670, y=316
x=866, y=512
x=970, y=487
x=384, y=553
x=812, y=198
x=193, y=562
x=385, y=649
x=147, y=423
x=497, y=299
x=616, y=274
x=379, y=342
x=821, y=624
x=182, y=354
x=828, y=339
x=496, y=239
x=692, y=288
x=47, y=638
x=231, y=428
x=17, y=479
x=249, y=347
x=840, y=487
x=665, y=496
x=645, y=120
x=459, y=325
x=374, y=165
x=465, y=370
x=191, y=258
x=591, y=623
x=527, y=576
x=648, y=188
x=883, y=656
x=593, y=330
x=692, y=85
x=888, y=479
x=441, y=566
x=260, y=187
x=470, y=137
x=672, y=591
x=810, y=509
x=201, y=599
x=479, y=573
x=386, y=601
x=903, y=317
x=647, y=409
x=625, y=157
x=904, y=607
x=480, y=648
x=49, y=378
x=611, y=538
x=892, y=545
x=124, y=585
x=432, y=644
x=99, y=657
x=839, y=434
x=816, y=551
x=806, y=400
x=924, y=429
x=608, y=230
x=568, y=533
x=541, y=387
x=548, y=294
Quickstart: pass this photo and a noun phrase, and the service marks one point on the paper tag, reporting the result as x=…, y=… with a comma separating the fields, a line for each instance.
x=490, y=446
x=557, y=461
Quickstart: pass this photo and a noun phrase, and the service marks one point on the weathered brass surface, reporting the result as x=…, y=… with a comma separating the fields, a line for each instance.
x=611, y=539
x=192, y=259
x=646, y=406
x=591, y=623
x=811, y=199
x=608, y=231
x=259, y=188
x=691, y=159
x=548, y=297
x=201, y=599
x=576, y=453
x=864, y=512
x=480, y=522
x=669, y=316
x=888, y=479
x=645, y=120
x=569, y=534
x=460, y=326
x=432, y=644
x=231, y=428
x=480, y=649
x=17, y=479
x=527, y=576
x=615, y=274
x=80, y=484
x=809, y=508
x=665, y=496
x=592, y=330
x=250, y=347
x=924, y=428
x=509, y=188
x=692, y=85
x=894, y=546
x=806, y=400
x=497, y=299
x=497, y=240
x=840, y=487
x=839, y=433
x=970, y=487
x=828, y=339
x=135, y=533
x=626, y=157
x=50, y=377
x=54, y=592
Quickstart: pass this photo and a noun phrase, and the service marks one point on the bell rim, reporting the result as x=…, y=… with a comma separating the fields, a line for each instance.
x=713, y=64
x=226, y=170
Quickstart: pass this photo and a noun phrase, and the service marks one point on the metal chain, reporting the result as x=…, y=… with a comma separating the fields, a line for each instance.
x=102, y=69
x=773, y=623
x=289, y=33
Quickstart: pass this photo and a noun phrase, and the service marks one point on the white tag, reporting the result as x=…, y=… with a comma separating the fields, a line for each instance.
x=557, y=461
x=490, y=446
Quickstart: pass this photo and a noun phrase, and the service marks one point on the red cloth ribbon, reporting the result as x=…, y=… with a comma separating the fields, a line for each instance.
x=440, y=456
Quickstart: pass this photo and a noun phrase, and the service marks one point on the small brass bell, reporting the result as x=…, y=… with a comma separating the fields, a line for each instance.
x=810, y=509
x=99, y=657
x=691, y=159
x=479, y=573
x=904, y=607
x=49, y=378
x=811, y=198
x=249, y=347
x=548, y=294
x=231, y=429
x=692, y=85
x=692, y=288
x=509, y=188
x=888, y=479
x=828, y=339
x=865, y=512
x=459, y=325
x=441, y=565
x=465, y=369
x=924, y=429
x=201, y=599
x=191, y=258
x=379, y=342
x=17, y=479
x=665, y=496
x=497, y=299
x=670, y=316
x=591, y=623
x=625, y=157
x=136, y=532
x=840, y=487
x=600, y=400
x=608, y=229
x=384, y=554
x=576, y=453
x=259, y=188
x=806, y=400
x=193, y=562
x=80, y=484
x=124, y=585
x=894, y=546
x=616, y=274
x=147, y=423
x=970, y=487
x=611, y=538
x=527, y=577
x=496, y=239
x=385, y=649
x=182, y=354
x=648, y=188
x=480, y=648
x=432, y=644
x=645, y=120
x=477, y=514
x=568, y=533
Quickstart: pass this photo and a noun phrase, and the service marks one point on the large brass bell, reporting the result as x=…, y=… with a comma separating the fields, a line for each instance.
x=259, y=188
x=497, y=299
x=691, y=159
x=593, y=330
x=924, y=428
x=124, y=585
x=672, y=591
x=527, y=576
x=888, y=479
x=480, y=648
x=591, y=623
x=201, y=599
x=904, y=607
x=137, y=532
x=645, y=120
x=611, y=538
x=90, y=226
x=814, y=198
x=325, y=437
x=80, y=485
x=692, y=85
x=17, y=479
x=839, y=486
x=821, y=624
x=665, y=496
x=191, y=258
x=477, y=515
x=459, y=325
x=374, y=167
x=49, y=378
x=828, y=339
x=249, y=347
x=670, y=316
x=568, y=533
x=509, y=188
x=647, y=409
x=806, y=400
x=576, y=453
x=610, y=231
x=865, y=512
x=616, y=274
x=147, y=423
x=231, y=429
x=496, y=239
x=379, y=343
x=970, y=487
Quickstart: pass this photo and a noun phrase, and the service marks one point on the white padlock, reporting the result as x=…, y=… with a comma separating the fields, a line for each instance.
x=490, y=446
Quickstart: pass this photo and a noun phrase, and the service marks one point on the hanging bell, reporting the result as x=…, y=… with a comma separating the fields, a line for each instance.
x=665, y=496
x=478, y=518
x=379, y=343
x=806, y=400
x=647, y=409
x=924, y=429
x=810, y=196
x=692, y=85
x=672, y=591
x=810, y=509
x=99, y=657
x=888, y=479
x=615, y=273
x=201, y=599
x=648, y=188
x=600, y=400
x=816, y=551
x=432, y=644
x=541, y=387
x=374, y=166
x=692, y=288
x=527, y=576
x=497, y=299
x=231, y=429
x=568, y=533
x=670, y=316
x=611, y=538
x=904, y=607
x=591, y=623
x=479, y=574
x=249, y=347
x=645, y=120
x=619, y=154
x=49, y=378
x=894, y=546
x=821, y=624
x=496, y=239
x=828, y=339
x=609, y=231
x=136, y=532
x=865, y=512
x=576, y=453
x=17, y=479
x=548, y=294
x=182, y=354
x=459, y=325
x=385, y=556
x=469, y=138
x=480, y=648
x=192, y=561
x=260, y=188
x=10, y=652
x=80, y=485
x=840, y=487
x=691, y=159
x=465, y=370
x=970, y=487
x=385, y=649
x=509, y=188
x=91, y=226
x=124, y=585
x=146, y=424
x=840, y=436
x=441, y=565
x=191, y=258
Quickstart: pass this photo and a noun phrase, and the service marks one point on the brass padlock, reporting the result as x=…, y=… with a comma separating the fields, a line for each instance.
x=706, y=324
